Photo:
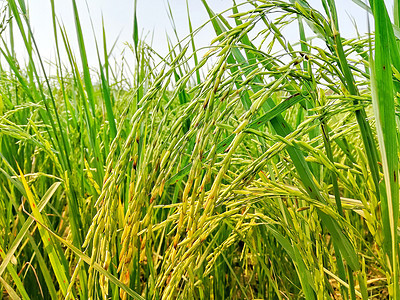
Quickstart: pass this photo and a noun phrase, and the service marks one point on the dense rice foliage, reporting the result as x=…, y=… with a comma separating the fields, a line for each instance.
x=269, y=170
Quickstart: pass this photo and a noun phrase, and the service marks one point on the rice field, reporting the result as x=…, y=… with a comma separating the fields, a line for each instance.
x=256, y=168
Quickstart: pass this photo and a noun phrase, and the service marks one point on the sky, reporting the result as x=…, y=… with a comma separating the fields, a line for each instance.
x=153, y=20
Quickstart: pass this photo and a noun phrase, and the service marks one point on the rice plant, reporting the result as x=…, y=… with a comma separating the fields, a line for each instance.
x=266, y=168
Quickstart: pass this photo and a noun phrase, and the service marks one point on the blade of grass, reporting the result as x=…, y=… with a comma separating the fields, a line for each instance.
x=91, y=118
x=384, y=111
x=9, y=290
x=58, y=267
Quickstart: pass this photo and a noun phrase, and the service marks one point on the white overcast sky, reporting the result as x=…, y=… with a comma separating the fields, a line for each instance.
x=152, y=19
